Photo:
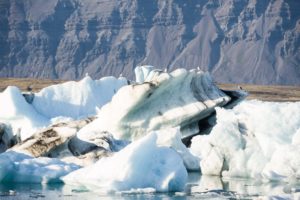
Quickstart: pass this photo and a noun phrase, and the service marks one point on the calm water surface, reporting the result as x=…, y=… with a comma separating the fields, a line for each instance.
x=198, y=187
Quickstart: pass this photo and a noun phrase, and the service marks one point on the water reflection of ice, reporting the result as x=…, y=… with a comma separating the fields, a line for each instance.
x=203, y=187
x=241, y=187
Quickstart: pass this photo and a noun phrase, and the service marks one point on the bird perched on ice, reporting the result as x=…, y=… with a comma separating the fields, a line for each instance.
x=29, y=88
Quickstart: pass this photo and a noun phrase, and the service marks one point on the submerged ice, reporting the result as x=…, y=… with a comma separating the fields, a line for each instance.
x=21, y=168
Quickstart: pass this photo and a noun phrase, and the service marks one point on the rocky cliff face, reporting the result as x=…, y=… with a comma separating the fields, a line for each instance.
x=249, y=41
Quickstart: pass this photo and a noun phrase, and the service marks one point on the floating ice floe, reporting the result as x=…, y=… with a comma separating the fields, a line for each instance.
x=255, y=139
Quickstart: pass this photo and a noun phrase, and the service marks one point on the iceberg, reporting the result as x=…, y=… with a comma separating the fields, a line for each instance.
x=143, y=164
x=111, y=136
x=255, y=139
x=164, y=100
x=77, y=99
x=19, y=115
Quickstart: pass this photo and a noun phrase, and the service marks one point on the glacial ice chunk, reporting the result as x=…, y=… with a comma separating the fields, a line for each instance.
x=167, y=100
x=17, y=113
x=140, y=165
x=77, y=99
x=256, y=139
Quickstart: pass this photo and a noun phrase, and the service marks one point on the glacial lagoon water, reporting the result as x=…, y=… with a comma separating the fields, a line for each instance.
x=198, y=187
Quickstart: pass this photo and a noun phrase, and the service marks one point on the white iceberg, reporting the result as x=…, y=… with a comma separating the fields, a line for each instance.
x=20, y=115
x=140, y=165
x=255, y=139
x=62, y=102
x=77, y=99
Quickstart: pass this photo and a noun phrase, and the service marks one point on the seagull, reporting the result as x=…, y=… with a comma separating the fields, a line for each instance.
x=29, y=88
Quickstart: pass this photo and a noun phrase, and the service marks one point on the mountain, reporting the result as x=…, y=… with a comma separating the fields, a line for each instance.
x=237, y=41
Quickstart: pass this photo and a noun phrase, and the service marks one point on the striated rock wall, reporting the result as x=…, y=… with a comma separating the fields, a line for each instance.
x=249, y=41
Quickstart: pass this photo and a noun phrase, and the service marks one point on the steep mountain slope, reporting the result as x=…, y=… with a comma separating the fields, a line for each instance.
x=249, y=41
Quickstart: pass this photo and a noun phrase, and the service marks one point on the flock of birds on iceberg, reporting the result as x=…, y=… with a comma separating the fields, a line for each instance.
x=118, y=135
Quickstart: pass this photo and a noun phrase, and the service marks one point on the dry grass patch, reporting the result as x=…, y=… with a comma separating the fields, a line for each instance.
x=268, y=92
x=25, y=84
x=261, y=92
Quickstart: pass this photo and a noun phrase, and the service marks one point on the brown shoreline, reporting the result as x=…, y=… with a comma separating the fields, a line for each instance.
x=260, y=92
x=267, y=92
